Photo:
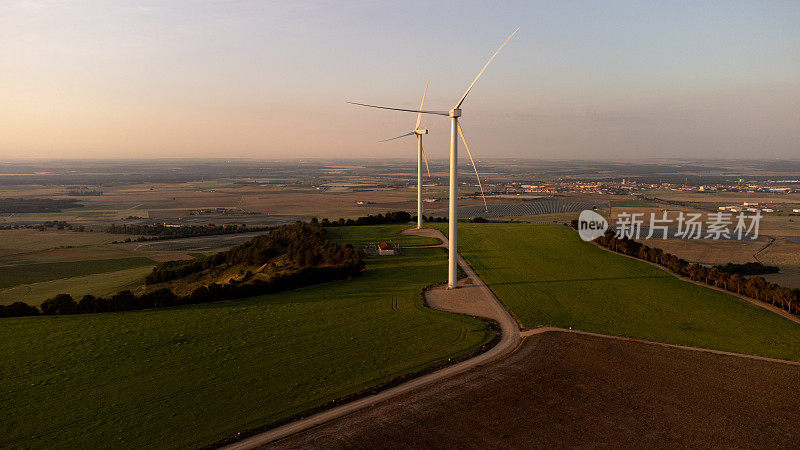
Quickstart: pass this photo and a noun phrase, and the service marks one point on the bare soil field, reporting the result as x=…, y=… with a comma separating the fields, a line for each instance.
x=709, y=251
x=786, y=255
x=28, y=240
x=569, y=390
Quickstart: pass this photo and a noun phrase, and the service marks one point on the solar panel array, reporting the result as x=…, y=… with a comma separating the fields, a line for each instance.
x=533, y=207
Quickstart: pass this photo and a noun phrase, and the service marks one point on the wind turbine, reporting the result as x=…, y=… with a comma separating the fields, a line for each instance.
x=455, y=130
x=420, y=155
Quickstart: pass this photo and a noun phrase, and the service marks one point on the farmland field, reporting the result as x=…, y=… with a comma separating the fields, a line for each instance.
x=565, y=390
x=188, y=376
x=99, y=284
x=547, y=276
x=709, y=251
x=16, y=274
x=27, y=240
x=724, y=197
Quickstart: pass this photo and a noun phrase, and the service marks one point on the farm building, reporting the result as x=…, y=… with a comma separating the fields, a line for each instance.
x=382, y=249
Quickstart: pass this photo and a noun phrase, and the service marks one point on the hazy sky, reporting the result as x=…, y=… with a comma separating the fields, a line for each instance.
x=593, y=79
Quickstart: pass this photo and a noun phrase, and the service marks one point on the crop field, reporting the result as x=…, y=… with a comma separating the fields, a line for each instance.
x=547, y=276
x=785, y=254
x=564, y=390
x=28, y=240
x=709, y=251
x=99, y=285
x=725, y=197
x=189, y=376
x=16, y=274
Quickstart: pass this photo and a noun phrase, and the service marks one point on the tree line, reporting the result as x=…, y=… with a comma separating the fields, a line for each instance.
x=312, y=258
x=36, y=205
x=748, y=268
x=755, y=287
x=378, y=219
x=161, y=231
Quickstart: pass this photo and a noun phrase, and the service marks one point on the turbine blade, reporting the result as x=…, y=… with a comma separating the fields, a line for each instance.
x=398, y=137
x=425, y=158
x=440, y=113
x=422, y=103
x=485, y=207
x=458, y=105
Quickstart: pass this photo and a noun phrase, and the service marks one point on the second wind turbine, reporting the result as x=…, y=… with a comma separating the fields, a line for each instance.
x=420, y=155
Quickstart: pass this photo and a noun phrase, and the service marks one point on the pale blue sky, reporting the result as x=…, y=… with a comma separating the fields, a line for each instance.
x=269, y=79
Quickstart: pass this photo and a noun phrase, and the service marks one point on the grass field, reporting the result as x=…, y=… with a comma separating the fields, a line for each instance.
x=547, y=276
x=99, y=285
x=16, y=274
x=188, y=376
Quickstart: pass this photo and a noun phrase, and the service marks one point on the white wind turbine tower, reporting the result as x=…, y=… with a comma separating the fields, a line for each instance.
x=455, y=129
x=420, y=155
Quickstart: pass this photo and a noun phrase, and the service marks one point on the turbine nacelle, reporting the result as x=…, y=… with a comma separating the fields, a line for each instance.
x=420, y=132
x=455, y=112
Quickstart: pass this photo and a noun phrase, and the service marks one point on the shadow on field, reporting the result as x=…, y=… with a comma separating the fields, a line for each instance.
x=565, y=280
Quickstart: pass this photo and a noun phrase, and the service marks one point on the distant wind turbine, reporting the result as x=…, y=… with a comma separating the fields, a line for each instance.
x=455, y=129
x=420, y=155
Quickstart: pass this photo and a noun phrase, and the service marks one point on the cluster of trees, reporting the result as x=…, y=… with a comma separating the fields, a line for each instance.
x=36, y=205
x=750, y=268
x=755, y=287
x=160, y=231
x=18, y=309
x=43, y=226
x=303, y=244
x=379, y=219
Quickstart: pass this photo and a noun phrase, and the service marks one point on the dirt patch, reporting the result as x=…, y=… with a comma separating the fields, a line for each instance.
x=467, y=299
x=564, y=389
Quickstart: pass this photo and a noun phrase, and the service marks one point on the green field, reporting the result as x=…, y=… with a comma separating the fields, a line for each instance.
x=547, y=276
x=20, y=273
x=188, y=376
x=99, y=285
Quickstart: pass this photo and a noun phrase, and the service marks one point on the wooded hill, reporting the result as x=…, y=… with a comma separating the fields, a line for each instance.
x=291, y=255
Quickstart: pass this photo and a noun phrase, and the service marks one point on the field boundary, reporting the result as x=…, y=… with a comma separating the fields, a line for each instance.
x=548, y=329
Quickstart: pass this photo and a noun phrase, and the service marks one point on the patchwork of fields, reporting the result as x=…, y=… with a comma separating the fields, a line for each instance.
x=21, y=273
x=36, y=265
x=547, y=276
x=188, y=376
x=191, y=375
